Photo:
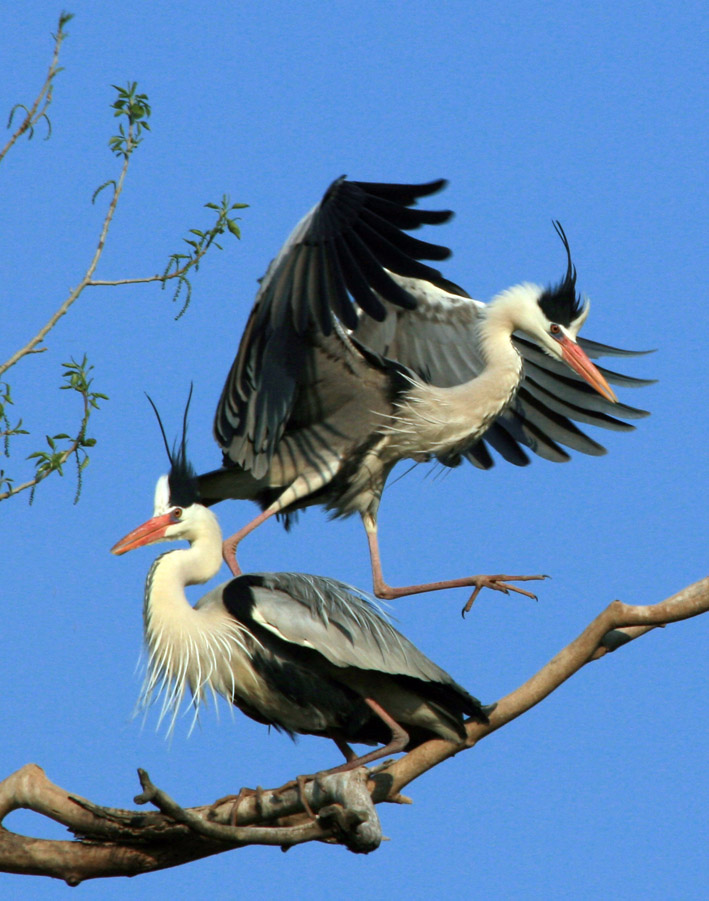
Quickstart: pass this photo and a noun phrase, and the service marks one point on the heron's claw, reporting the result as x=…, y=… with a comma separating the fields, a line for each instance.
x=244, y=793
x=497, y=583
x=301, y=782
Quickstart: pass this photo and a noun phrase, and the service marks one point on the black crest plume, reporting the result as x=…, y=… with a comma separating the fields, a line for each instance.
x=182, y=478
x=561, y=304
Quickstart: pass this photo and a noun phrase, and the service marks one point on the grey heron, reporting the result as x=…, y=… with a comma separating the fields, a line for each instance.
x=357, y=355
x=305, y=654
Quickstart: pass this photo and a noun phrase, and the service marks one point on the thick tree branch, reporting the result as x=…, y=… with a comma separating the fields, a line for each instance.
x=116, y=842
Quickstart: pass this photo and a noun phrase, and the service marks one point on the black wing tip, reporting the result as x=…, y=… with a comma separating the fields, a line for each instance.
x=362, y=229
x=405, y=193
x=333, y=186
x=596, y=349
x=386, y=189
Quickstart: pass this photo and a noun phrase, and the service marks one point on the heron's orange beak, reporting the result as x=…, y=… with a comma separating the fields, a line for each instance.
x=152, y=530
x=574, y=357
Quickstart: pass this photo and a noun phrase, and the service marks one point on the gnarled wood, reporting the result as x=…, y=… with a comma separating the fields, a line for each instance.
x=115, y=842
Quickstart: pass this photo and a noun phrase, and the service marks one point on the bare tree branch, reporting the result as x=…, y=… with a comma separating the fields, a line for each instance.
x=114, y=842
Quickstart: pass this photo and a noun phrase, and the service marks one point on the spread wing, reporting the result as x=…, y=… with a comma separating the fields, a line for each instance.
x=350, y=252
x=440, y=341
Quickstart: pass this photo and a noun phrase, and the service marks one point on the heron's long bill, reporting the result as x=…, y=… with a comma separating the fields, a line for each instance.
x=152, y=530
x=576, y=358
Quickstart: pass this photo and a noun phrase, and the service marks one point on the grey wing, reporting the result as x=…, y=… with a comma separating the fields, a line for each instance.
x=339, y=622
x=439, y=340
x=346, y=251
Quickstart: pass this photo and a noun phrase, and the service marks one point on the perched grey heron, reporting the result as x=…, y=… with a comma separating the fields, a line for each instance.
x=325, y=395
x=303, y=653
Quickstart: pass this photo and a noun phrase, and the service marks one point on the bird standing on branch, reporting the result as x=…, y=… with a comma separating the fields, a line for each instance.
x=358, y=355
x=302, y=653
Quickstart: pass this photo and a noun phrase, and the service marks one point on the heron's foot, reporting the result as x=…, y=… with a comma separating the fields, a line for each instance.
x=301, y=782
x=499, y=583
x=244, y=793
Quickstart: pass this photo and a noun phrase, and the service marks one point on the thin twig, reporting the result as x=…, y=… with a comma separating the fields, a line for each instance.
x=165, y=277
x=34, y=114
x=39, y=337
x=42, y=475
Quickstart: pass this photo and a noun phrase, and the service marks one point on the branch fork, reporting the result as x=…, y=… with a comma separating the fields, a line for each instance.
x=115, y=842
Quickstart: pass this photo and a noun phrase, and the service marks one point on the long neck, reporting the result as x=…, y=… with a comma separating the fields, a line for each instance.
x=436, y=420
x=189, y=648
x=165, y=597
x=491, y=390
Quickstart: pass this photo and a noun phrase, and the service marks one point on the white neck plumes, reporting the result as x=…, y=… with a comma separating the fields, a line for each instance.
x=196, y=648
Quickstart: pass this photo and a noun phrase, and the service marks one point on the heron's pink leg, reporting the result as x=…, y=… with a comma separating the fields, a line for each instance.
x=229, y=546
x=305, y=484
x=399, y=741
x=345, y=749
x=237, y=799
x=386, y=591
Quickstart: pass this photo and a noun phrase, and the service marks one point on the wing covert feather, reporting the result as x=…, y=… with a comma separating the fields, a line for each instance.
x=344, y=254
x=340, y=622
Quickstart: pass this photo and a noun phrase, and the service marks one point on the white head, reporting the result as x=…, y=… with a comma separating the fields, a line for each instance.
x=552, y=317
x=177, y=511
x=172, y=522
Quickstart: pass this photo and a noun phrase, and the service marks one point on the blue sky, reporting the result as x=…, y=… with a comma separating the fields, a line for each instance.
x=590, y=113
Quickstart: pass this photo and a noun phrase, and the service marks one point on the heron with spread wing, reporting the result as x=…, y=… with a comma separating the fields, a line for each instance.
x=358, y=354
